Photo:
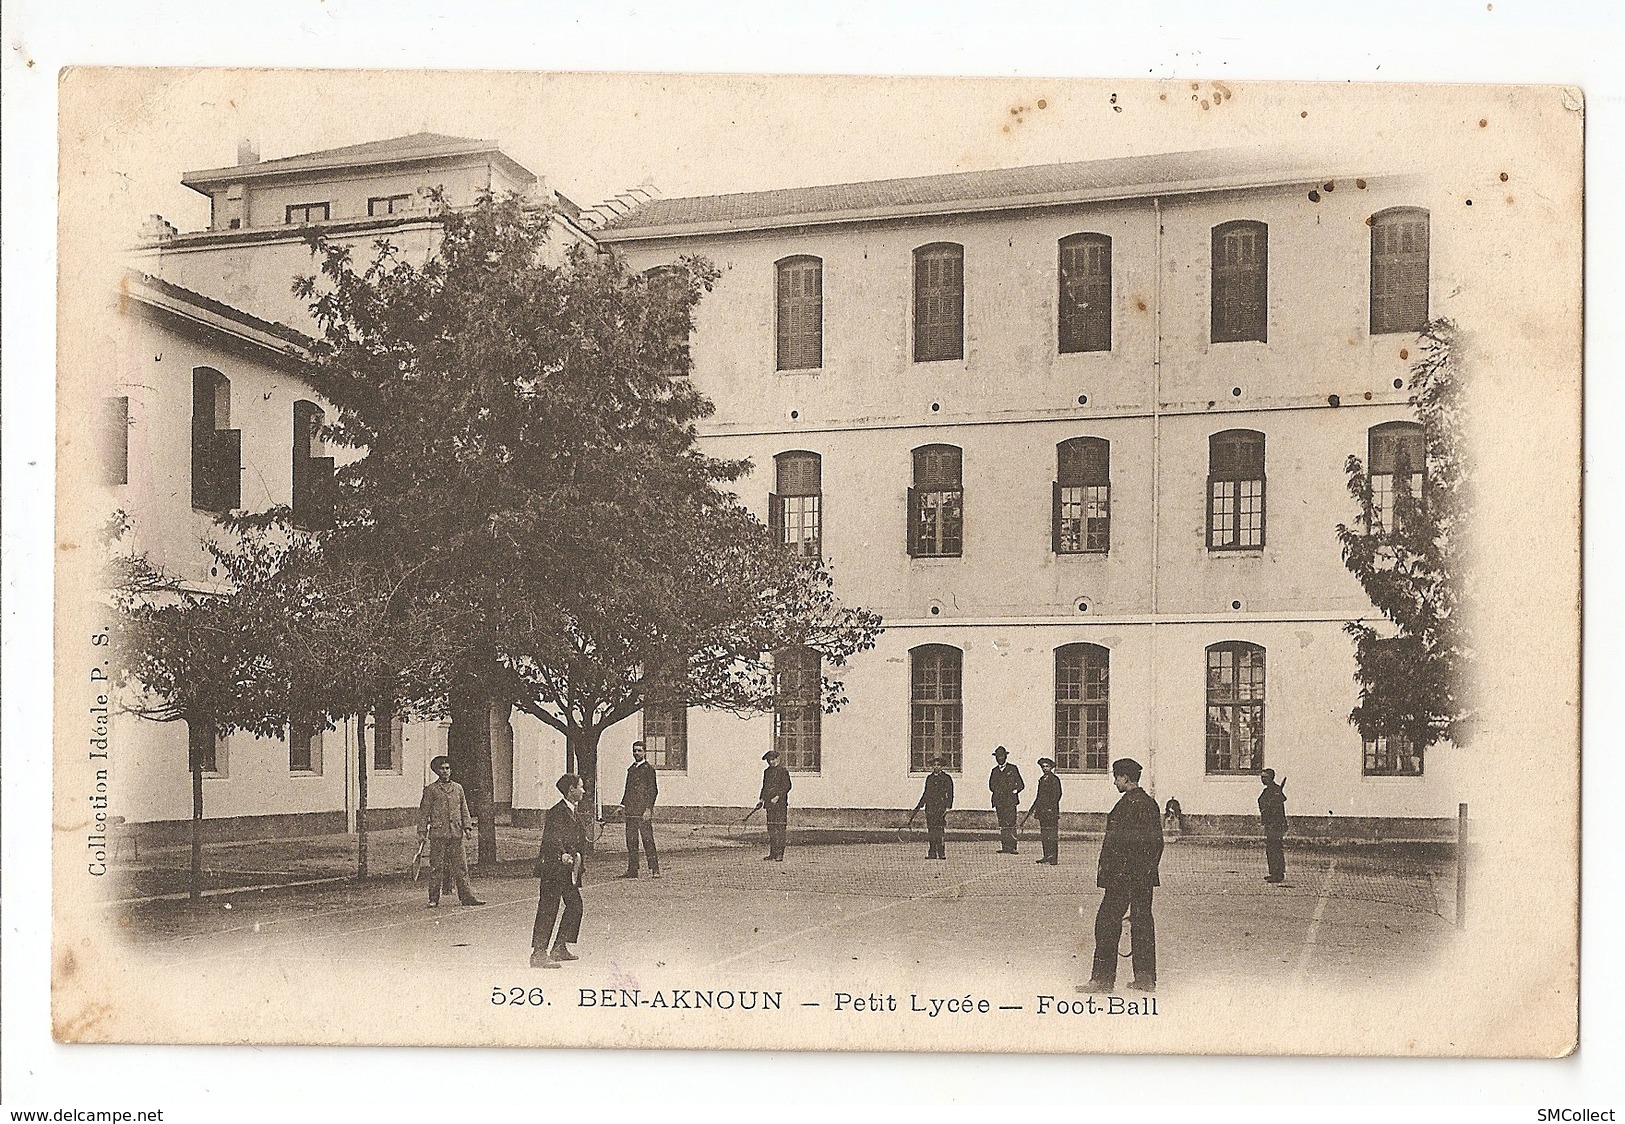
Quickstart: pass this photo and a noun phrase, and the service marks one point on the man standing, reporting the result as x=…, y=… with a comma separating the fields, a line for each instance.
x=1006, y=784
x=1272, y=814
x=775, y=799
x=444, y=822
x=1128, y=870
x=937, y=798
x=558, y=866
x=638, y=804
x=1047, y=807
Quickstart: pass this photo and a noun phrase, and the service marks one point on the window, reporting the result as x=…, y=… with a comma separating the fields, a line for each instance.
x=939, y=302
x=1399, y=270
x=798, y=709
x=1235, y=708
x=1235, y=490
x=312, y=474
x=217, y=449
x=936, y=709
x=1086, y=293
x=114, y=435
x=205, y=747
x=936, y=503
x=1397, y=461
x=305, y=747
x=1081, y=506
x=1240, y=281
x=1082, y=687
x=1392, y=755
x=801, y=313
x=386, y=205
x=795, y=510
x=306, y=212
x=665, y=736
x=388, y=740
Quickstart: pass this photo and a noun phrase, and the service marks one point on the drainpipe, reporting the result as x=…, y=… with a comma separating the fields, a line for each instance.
x=1156, y=490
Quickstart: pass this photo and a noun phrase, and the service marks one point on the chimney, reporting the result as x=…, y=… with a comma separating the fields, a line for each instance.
x=247, y=152
x=155, y=229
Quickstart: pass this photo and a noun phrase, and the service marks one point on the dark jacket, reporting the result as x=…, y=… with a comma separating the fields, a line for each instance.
x=562, y=840
x=1005, y=783
x=775, y=786
x=938, y=796
x=641, y=789
x=1133, y=844
x=1272, y=808
x=1047, y=803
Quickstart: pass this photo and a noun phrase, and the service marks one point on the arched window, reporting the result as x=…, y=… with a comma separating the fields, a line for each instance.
x=1235, y=490
x=939, y=302
x=798, y=709
x=795, y=509
x=1086, y=293
x=1397, y=463
x=936, y=503
x=312, y=472
x=217, y=449
x=1080, y=506
x=800, y=313
x=1235, y=707
x=665, y=736
x=936, y=709
x=1399, y=270
x=670, y=285
x=1240, y=281
x=1082, y=696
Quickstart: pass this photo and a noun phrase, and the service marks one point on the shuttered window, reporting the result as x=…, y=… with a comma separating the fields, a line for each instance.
x=936, y=708
x=1397, y=464
x=1240, y=281
x=217, y=449
x=1399, y=270
x=312, y=473
x=1235, y=490
x=936, y=503
x=1086, y=293
x=796, y=507
x=1082, y=690
x=939, y=302
x=1235, y=708
x=800, y=313
x=1081, y=503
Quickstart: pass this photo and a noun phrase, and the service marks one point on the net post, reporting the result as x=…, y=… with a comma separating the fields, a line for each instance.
x=1461, y=866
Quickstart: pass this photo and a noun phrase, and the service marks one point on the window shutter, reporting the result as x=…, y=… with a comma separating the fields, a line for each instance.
x=228, y=460
x=913, y=523
x=1055, y=517
x=775, y=517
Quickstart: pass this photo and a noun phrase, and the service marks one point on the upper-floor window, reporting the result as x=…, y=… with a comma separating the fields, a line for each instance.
x=936, y=503
x=312, y=473
x=936, y=708
x=217, y=449
x=114, y=438
x=1399, y=270
x=665, y=736
x=1086, y=293
x=1397, y=464
x=795, y=509
x=1081, y=504
x=798, y=708
x=1235, y=707
x=306, y=212
x=800, y=313
x=939, y=302
x=669, y=286
x=1235, y=490
x=386, y=205
x=1240, y=281
x=1082, y=695
x=1391, y=755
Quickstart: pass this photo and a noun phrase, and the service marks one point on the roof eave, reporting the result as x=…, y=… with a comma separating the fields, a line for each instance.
x=202, y=181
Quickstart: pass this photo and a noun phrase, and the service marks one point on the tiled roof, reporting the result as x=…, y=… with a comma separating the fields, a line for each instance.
x=1124, y=177
x=417, y=146
x=136, y=279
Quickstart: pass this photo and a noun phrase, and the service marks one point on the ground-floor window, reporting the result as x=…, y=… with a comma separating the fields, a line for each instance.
x=1235, y=707
x=797, y=709
x=1082, y=683
x=665, y=736
x=936, y=707
x=1392, y=755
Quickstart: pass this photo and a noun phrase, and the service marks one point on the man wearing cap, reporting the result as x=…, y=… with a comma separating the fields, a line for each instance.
x=775, y=800
x=937, y=798
x=1047, y=807
x=1272, y=814
x=1128, y=870
x=637, y=805
x=444, y=822
x=558, y=869
x=1006, y=784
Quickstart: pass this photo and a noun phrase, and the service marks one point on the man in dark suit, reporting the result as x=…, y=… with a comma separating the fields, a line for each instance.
x=1272, y=814
x=558, y=866
x=638, y=804
x=1128, y=870
x=937, y=798
x=1006, y=784
x=1047, y=807
x=775, y=800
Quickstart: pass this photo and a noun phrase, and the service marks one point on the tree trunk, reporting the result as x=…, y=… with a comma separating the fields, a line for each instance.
x=469, y=747
x=361, y=796
x=581, y=750
x=194, y=887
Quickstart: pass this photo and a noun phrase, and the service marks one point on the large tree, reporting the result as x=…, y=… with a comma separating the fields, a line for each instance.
x=1414, y=672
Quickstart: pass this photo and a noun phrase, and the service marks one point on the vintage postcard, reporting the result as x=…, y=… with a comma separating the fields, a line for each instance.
x=818, y=563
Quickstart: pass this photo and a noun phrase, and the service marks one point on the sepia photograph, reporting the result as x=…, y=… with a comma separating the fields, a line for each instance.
x=772, y=562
